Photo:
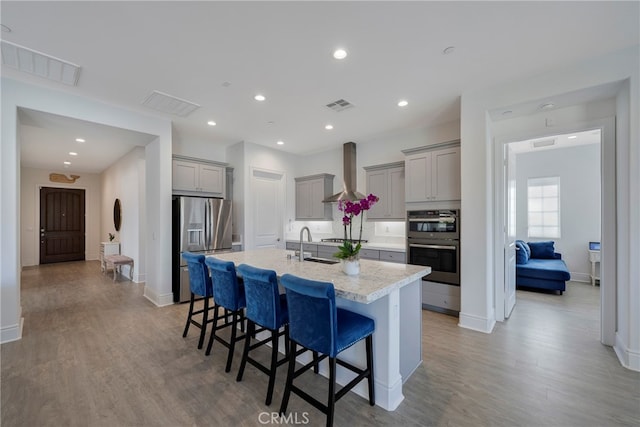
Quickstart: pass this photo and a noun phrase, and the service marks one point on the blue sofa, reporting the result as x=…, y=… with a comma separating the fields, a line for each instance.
x=539, y=266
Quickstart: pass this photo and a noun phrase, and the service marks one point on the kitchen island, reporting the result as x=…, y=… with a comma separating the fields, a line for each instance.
x=389, y=293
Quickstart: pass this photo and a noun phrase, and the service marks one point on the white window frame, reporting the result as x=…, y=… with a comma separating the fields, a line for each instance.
x=543, y=207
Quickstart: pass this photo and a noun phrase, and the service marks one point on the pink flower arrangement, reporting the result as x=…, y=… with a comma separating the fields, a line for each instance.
x=350, y=248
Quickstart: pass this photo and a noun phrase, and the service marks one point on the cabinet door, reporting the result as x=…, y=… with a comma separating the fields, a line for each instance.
x=446, y=174
x=377, y=183
x=185, y=175
x=418, y=177
x=303, y=200
x=395, y=193
x=316, y=206
x=211, y=179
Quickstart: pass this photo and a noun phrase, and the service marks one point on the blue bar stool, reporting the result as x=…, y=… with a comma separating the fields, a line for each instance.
x=316, y=324
x=201, y=290
x=228, y=293
x=267, y=309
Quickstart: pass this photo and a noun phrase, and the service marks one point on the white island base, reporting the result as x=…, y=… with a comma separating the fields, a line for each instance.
x=389, y=293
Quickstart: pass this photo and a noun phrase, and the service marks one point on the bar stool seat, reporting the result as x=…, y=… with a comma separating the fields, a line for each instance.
x=316, y=324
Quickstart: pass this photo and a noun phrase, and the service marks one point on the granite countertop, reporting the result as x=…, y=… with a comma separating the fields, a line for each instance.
x=395, y=247
x=376, y=279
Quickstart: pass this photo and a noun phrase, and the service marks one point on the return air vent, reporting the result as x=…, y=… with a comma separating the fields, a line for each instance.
x=170, y=104
x=40, y=64
x=340, y=105
x=543, y=143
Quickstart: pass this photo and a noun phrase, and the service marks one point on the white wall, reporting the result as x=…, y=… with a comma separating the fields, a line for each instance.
x=31, y=180
x=478, y=230
x=125, y=180
x=158, y=189
x=579, y=171
x=199, y=149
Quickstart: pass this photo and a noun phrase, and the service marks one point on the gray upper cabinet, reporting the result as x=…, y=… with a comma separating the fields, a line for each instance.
x=310, y=192
x=201, y=178
x=432, y=174
x=388, y=183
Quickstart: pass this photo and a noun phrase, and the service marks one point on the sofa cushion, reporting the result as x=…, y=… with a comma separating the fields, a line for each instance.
x=542, y=250
x=551, y=269
x=521, y=253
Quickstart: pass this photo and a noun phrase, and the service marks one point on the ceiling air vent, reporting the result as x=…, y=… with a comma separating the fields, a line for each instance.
x=33, y=62
x=169, y=104
x=340, y=105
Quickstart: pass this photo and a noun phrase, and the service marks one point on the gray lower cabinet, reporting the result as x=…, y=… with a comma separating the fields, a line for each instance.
x=307, y=247
x=327, y=251
x=393, y=256
x=370, y=254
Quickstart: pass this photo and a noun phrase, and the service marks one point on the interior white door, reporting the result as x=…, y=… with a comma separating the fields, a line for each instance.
x=268, y=201
x=510, y=232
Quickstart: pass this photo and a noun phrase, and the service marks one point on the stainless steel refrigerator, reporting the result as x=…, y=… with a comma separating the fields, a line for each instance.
x=200, y=225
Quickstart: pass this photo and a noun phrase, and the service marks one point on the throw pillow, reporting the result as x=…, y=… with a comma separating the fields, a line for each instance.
x=543, y=250
x=521, y=253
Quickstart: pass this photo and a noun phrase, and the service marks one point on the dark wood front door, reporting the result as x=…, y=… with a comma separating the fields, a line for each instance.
x=61, y=225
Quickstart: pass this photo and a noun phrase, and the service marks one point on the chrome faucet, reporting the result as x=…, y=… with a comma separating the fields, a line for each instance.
x=301, y=255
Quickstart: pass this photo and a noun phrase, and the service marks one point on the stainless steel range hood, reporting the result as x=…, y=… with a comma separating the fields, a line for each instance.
x=349, y=192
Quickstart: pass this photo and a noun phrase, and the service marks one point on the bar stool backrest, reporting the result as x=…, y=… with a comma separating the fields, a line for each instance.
x=312, y=313
x=199, y=279
x=262, y=296
x=226, y=291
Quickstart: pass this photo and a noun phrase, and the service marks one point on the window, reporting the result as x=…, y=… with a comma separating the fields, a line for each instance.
x=543, y=196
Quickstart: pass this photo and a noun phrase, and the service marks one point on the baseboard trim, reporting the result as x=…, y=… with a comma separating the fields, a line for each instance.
x=628, y=358
x=160, y=300
x=476, y=323
x=580, y=277
x=12, y=332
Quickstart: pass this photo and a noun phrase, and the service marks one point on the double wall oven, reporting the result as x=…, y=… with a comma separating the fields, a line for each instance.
x=433, y=239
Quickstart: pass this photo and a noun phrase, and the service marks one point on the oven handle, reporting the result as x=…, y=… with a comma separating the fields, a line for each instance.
x=415, y=245
x=443, y=219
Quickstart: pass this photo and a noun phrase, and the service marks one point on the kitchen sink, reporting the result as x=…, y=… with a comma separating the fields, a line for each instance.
x=322, y=260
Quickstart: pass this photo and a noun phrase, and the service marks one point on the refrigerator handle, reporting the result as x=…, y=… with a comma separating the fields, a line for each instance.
x=207, y=228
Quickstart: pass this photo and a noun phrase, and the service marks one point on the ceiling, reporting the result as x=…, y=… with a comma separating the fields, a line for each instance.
x=220, y=54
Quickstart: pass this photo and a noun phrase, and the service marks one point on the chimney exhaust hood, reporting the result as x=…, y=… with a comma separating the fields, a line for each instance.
x=349, y=192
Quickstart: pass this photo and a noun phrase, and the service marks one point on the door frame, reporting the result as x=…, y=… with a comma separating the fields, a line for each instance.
x=36, y=213
x=253, y=210
x=608, y=236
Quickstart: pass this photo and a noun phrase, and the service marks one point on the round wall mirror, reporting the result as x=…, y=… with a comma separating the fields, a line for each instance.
x=117, y=214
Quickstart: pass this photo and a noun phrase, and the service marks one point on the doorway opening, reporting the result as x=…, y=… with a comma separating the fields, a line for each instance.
x=585, y=165
x=62, y=225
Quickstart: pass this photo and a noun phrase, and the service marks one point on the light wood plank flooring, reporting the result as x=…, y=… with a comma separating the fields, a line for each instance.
x=97, y=353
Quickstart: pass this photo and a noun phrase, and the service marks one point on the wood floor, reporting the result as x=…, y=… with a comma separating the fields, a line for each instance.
x=97, y=353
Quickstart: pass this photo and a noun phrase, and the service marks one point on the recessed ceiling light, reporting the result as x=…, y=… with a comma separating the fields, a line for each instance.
x=328, y=127
x=67, y=163
x=403, y=103
x=211, y=123
x=448, y=50
x=73, y=153
x=339, y=53
x=79, y=140
x=259, y=97
x=280, y=142
x=547, y=106
x=572, y=137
